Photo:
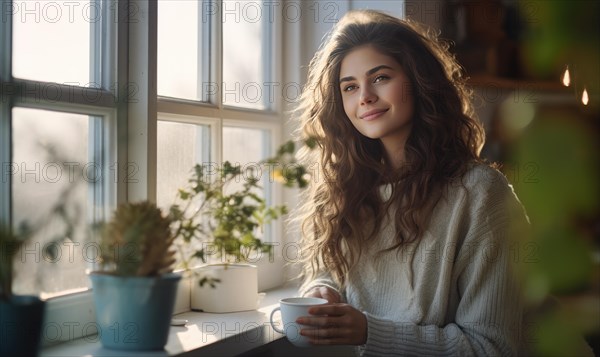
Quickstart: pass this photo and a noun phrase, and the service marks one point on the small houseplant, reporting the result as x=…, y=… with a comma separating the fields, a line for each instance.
x=225, y=224
x=134, y=292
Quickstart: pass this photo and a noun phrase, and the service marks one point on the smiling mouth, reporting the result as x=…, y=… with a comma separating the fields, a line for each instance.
x=373, y=114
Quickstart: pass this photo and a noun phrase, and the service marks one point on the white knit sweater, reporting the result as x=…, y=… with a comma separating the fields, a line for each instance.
x=452, y=292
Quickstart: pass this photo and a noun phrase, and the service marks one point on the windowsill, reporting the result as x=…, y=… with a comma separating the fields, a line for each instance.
x=214, y=334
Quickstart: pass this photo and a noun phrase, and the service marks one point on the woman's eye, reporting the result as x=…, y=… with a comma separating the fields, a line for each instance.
x=380, y=78
x=349, y=88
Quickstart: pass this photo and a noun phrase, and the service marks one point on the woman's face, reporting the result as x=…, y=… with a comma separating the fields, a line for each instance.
x=377, y=96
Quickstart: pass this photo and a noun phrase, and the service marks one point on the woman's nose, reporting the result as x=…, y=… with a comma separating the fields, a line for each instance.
x=367, y=96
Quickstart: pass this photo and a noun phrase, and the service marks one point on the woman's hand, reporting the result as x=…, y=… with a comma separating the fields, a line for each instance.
x=335, y=324
x=324, y=292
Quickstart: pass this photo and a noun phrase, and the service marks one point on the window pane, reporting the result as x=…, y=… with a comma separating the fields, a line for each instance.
x=180, y=147
x=50, y=165
x=51, y=40
x=244, y=45
x=246, y=148
x=180, y=59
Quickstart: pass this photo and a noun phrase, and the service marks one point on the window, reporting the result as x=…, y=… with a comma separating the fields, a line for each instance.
x=51, y=41
x=79, y=77
x=180, y=147
x=216, y=89
x=39, y=182
x=59, y=108
x=247, y=54
x=62, y=109
x=183, y=54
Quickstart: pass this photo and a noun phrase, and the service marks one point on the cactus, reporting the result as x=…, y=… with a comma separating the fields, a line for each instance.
x=137, y=241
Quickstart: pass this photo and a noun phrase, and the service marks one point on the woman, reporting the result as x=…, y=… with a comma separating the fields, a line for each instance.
x=407, y=230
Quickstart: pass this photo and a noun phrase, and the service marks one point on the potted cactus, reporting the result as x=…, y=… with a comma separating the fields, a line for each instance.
x=223, y=225
x=134, y=292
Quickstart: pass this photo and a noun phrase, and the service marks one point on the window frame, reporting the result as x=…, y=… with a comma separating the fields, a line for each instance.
x=131, y=112
x=215, y=113
x=68, y=315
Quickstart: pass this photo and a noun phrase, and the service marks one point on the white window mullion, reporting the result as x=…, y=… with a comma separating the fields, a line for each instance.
x=103, y=129
x=6, y=40
x=272, y=29
x=96, y=49
x=5, y=159
x=121, y=89
x=44, y=94
x=107, y=41
x=185, y=107
x=97, y=156
x=96, y=132
x=206, y=45
x=142, y=113
x=217, y=54
x=5, y=109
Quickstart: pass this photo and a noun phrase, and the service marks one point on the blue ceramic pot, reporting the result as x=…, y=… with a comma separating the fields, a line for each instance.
x=134, y=313
x=21, y=325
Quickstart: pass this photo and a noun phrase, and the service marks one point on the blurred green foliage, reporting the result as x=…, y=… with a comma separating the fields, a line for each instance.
x=560, y=32
x=561, y=197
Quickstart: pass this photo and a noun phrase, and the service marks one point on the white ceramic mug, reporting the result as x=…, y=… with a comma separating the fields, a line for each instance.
x=291, y=309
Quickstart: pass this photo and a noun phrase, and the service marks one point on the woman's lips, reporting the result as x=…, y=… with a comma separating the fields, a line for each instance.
x=373, y=114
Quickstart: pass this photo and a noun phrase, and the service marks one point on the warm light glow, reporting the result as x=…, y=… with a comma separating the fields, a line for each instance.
x=585, y=99
x=516, y=115
x=566, y=78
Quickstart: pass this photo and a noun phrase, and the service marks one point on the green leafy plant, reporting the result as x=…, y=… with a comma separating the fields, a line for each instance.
x=215, y=218
x=137, y=241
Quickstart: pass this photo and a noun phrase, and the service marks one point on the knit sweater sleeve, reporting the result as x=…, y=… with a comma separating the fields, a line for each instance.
x=489, y=313
x=323, y=279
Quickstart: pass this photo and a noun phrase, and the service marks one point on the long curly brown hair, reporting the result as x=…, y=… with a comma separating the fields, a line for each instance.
x=344, y=209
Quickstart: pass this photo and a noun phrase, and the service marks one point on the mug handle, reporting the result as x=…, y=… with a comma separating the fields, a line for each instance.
x=271, y=321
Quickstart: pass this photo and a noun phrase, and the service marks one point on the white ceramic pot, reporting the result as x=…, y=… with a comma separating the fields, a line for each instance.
x=236, y=291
